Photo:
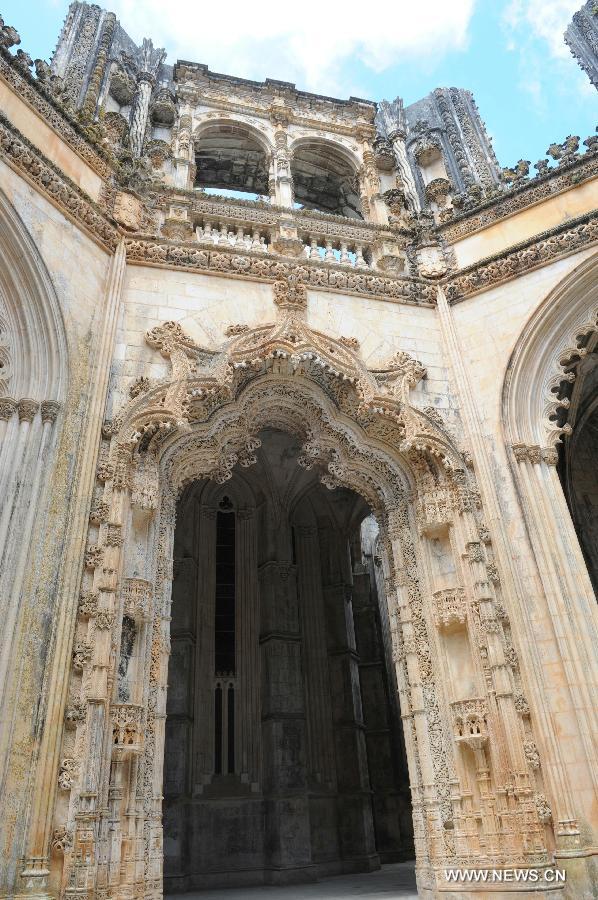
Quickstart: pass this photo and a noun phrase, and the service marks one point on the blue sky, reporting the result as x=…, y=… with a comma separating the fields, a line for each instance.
x=510, y=53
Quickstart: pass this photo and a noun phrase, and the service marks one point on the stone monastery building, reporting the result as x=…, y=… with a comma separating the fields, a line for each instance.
x=299, y=494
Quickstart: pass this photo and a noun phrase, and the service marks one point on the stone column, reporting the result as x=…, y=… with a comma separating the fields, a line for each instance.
x=570, y=601
x=203, y=716
x=284, y=740
x=248, y=651
x=382, y=741
x=356, y=828
x=183, y=163
x=31, y=466
x=397, y=139
x=8, y=408
x=321, y=760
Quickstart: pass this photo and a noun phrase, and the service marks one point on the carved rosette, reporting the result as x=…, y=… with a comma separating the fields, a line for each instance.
x=290, y=294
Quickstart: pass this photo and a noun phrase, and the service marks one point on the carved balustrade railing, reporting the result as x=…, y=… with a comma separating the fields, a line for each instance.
x=213, y=232
x=259, y=227
x=343, y=252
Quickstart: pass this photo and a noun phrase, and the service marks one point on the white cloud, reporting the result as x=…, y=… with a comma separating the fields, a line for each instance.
x=545, y=19
x=307, y=42
x=535, y=30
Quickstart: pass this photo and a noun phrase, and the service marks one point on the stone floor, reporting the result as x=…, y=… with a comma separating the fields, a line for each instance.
x=389, y=882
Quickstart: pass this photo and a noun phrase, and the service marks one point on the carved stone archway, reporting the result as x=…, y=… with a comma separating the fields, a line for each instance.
x=475, y=772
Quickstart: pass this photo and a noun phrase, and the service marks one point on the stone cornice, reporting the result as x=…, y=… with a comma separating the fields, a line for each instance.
x=197, y=85
x=22, y=156
x=33, y=92
x=521, y=258
x=520, y=197
x=264, y=267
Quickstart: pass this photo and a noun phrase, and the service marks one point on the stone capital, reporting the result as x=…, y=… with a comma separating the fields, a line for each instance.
x=27, y=409
x=8, y=407
x=50, y=410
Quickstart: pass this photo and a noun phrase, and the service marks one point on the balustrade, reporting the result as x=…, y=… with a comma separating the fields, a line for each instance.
x=241, y=237
x=242, y=226
x=328, y=249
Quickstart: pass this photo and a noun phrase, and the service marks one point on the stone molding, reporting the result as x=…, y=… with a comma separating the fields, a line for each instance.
x=33, y=92
x=540, y=250
x=21, y=155
x=257, y=266
x=535, y=454
x=519, y=197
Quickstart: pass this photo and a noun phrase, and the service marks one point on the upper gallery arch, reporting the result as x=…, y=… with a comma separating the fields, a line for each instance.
x=326, y=176
x=231, y=154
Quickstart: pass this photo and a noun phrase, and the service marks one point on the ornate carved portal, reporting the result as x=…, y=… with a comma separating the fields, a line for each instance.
x=475, y=774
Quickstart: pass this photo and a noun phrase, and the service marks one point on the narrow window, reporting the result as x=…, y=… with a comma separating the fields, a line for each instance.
x=231, y=730
x=218, y=730
x=224, y=626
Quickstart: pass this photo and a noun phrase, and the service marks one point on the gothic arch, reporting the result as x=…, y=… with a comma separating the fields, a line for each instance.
x=543, y=367
x=358, y=430
x=232, y=154
x=232, y=121
x=544, y=359
x=35, y=329
x=326, y=175
x=33, y=386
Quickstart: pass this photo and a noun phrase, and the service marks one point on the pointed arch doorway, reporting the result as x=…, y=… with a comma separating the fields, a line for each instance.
x=284, y=756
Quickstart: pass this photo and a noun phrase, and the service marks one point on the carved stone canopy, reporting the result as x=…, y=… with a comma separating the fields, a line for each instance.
x=271, y=359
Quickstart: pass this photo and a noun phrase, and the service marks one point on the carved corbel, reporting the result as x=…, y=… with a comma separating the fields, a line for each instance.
x=402, y=373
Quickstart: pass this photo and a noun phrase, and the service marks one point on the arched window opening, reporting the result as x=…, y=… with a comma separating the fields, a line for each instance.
x=232, y=161
x=324, y=180
x=224, y=615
